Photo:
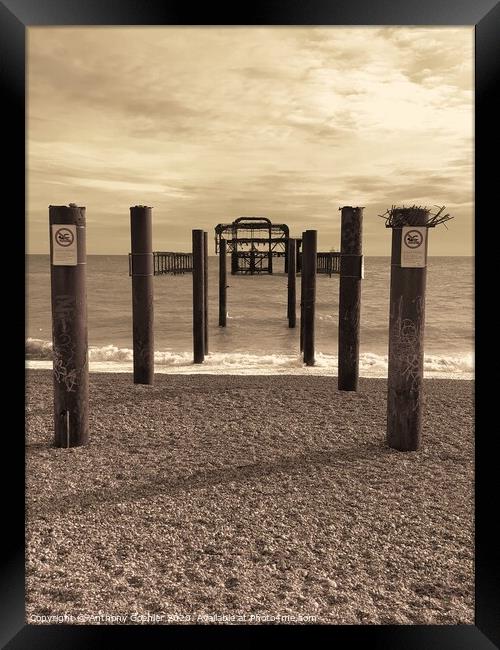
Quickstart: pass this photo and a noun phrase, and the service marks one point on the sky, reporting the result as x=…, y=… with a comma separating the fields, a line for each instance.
x=208, y=124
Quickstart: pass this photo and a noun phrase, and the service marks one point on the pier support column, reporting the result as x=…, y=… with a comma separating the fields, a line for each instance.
x=234, y=263
x=350, y=297
x=198, y=297
x=300, y=259
x=309, y=293
x=205, y=290
x=222, y=283
x=142, y=293
x=69, y=324
x=291, y=283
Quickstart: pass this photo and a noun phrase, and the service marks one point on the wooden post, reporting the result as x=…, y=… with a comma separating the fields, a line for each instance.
x=142, y=293
x=205, y=290
x=198, y=297
x=69, y=324
x=350, y=297
x=291, y=283
x=234, y=262
x=300, y=259
x=222, y=283
x=406, y=335
x=309, y=281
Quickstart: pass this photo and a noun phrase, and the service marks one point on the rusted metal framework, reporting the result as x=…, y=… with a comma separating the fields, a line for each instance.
x=253, y=242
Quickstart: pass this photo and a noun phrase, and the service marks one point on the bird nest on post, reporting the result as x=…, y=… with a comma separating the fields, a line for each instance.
x=415, y=215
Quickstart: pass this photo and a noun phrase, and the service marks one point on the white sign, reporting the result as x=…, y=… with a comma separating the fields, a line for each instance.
x=64, y=250
x=414, y=247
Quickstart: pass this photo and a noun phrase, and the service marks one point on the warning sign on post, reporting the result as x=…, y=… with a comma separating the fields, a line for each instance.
x=64, y=250
x=414, y=247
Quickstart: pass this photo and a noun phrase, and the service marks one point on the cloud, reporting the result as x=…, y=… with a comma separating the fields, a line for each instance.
x=433, y=56
x=209, y=123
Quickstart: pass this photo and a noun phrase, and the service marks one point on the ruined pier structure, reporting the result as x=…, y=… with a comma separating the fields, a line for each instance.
x=254, y=242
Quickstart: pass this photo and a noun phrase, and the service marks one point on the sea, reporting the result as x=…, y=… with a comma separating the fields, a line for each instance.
x=257, y=339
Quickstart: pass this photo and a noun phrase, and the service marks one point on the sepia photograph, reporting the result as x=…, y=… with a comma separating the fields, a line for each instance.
x=250, y=325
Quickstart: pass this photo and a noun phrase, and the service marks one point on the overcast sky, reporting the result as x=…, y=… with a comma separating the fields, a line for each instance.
x=208, y=124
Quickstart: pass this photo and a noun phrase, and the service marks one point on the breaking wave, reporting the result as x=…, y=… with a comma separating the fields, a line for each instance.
x=110, y=358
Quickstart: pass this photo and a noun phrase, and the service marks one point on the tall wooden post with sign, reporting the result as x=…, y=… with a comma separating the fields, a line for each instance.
x=141, y=231
x=351, y=273
x=69, y=324
x=406, y=323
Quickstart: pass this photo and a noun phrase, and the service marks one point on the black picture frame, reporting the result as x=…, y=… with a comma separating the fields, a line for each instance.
x=18, y=15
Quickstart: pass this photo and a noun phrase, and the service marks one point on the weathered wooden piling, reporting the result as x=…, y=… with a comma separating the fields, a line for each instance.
x=141, y=231
x=406, y=328
x=291, y=283
x=205, y=290
x=300, y=259
x=69, y=324
x=351, y=262
x=222, y=283
x=309, y=295
x=198, y=297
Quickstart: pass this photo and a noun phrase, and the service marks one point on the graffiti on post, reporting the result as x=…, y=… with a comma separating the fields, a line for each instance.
x=406, y=338
x=65, y=371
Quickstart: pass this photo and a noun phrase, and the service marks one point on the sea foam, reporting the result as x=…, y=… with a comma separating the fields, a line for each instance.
x=110, y=358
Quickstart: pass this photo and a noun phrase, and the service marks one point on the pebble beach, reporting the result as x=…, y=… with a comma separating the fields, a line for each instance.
x=249, y=499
